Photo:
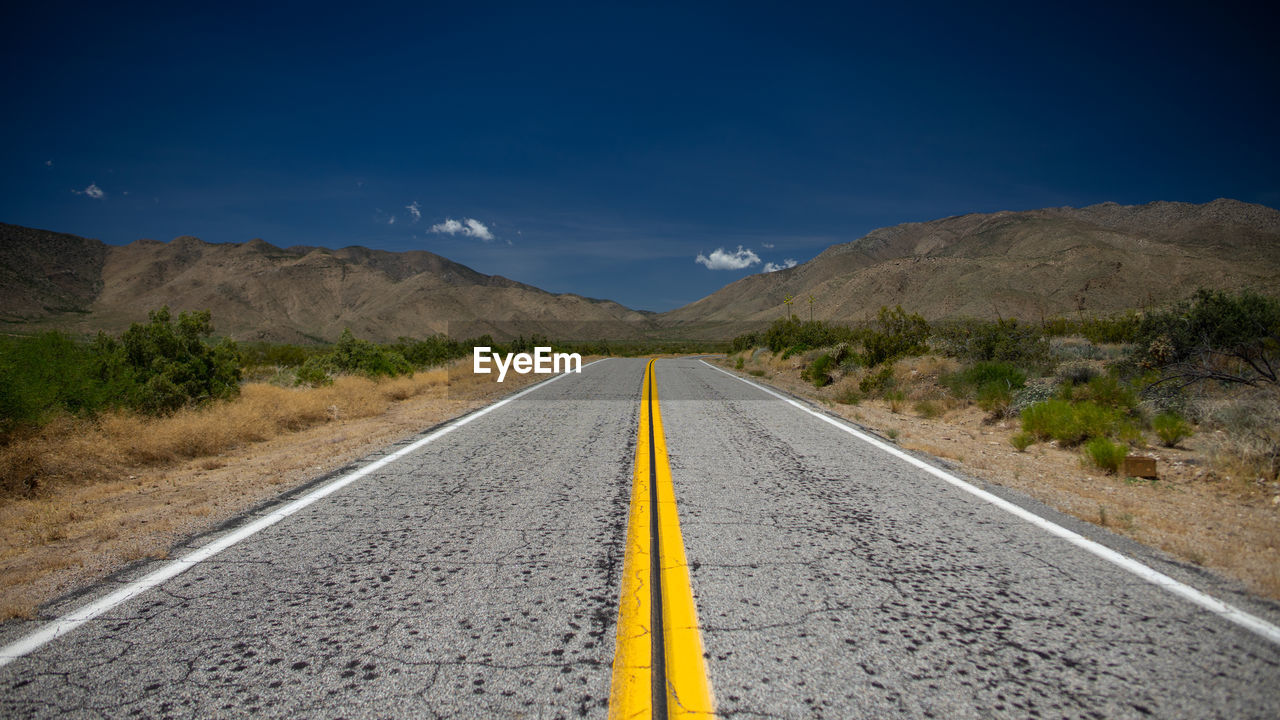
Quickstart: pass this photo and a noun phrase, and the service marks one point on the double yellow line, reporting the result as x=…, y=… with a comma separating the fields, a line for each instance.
x=658, y=667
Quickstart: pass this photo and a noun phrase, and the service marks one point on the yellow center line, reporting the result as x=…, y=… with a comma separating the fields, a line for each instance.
x=687, y=688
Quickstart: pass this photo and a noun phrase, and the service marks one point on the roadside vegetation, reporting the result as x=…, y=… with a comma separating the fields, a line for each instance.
x=166, y=390
x=1054, y=408
x=1105, y=385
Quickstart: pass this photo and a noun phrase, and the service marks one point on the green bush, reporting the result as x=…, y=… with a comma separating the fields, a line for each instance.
x=1171, y=428
x=1022, y=441
x=1105, y=454
x=1219, y=336
x=818, y=372
x=791, y=333
x=1108, y=391
x=313, y=374
x=995, y=398
x=355, y=356
x=173, y=364
x=966, y=382
x=738, y=365
x=1077, y=373
x=50, y=373
x=1071, y=423
x=992, y=384
x=1000, y=341
x=878, y=381
x=898, y=335
x=896, y=398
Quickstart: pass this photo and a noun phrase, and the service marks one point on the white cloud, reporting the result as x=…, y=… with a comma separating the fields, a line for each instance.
x=48, y=163
x=767, y=246
x=391, y=220
x=775, y=267
x=92, y=191
x=475, y=228
x=721, y=260
x=415, y=210
x=469, y=227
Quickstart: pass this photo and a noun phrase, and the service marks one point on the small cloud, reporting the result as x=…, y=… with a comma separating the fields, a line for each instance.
x=469, y=227
x=475, y=228
x=48, y=163
x=391, y=220
x=415, y=210
x=775, y=267
x=92, y=191
x=721, y=260
x=767, y=246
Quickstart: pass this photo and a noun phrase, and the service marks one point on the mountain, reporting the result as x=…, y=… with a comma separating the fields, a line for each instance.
x=257, y=291
x=1033, y=264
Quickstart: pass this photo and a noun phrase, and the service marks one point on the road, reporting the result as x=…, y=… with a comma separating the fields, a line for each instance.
x=479, y=575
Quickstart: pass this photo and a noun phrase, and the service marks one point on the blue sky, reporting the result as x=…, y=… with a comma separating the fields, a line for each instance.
x=602, y=148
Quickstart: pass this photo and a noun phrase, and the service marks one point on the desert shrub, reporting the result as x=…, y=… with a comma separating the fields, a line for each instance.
x=1077, y=373
x=436, y=349
x=1071, y=349
x=897, y=334
x=1035, y=391
x=1224, y=337
x=739, y=363
x=968, y=381
x=896, y=399
x=1115, y=329
x=313, y=374
x=1105, y=454
x=818, y=372
x=746, y=341
x=878, y=381
x=172, y=363
x=1109, y=391
x=756, y=372
x=49, y=373
x=1022, y=441
x=992, y=384
x=360, y=357
x=1249, y=441
x=995, y=398
x=928, y=409
x=791, y=332
x=1071, y=423
x=795, y=350
x=848, y=395
x=1170, y=428
x=1000, y=341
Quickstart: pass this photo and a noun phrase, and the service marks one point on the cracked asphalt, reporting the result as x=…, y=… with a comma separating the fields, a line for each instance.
x=479, y=575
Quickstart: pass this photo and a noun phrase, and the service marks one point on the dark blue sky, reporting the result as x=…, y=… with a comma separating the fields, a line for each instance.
x=605, y=148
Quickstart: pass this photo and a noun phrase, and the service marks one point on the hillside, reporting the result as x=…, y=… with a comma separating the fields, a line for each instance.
x=1033, y=264
x=300, y=294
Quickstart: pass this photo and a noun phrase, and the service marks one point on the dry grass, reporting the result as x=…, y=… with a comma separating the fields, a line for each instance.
x=78, y=451
x=127, y=488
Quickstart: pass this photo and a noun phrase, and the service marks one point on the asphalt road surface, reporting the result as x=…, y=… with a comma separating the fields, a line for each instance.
x=478, y=576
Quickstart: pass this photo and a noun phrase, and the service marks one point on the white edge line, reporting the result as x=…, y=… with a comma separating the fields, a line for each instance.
x=81, y=615
x=1208, y=602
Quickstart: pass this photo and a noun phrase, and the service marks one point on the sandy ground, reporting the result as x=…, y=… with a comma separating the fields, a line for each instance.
x=1231, y=526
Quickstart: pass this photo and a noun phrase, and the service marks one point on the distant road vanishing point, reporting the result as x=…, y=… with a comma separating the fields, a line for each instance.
x=647, y=539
